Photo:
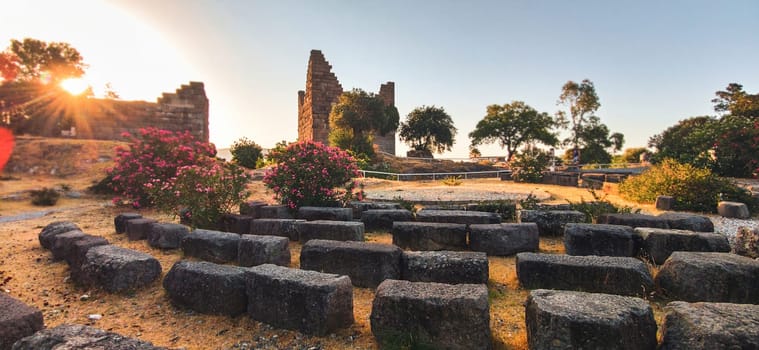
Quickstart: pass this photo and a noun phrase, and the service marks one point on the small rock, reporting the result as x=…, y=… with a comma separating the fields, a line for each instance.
x=84, y=297
x=94, y=317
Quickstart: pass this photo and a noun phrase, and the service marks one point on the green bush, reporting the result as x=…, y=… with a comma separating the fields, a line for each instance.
x=45, y=197
x=246, y=153
x=506, y=208
x=529, y=165
x=599, y=205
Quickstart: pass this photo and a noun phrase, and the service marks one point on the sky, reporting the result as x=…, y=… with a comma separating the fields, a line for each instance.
x=653, y=63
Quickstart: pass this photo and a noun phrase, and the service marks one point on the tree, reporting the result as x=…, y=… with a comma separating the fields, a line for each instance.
x=593, y=141
x=246, y=153
x=428, y=128
x=687, y=142
x=356, y=117
x=582, y=101
x=513, y=125
x=36, y=58
x=736, y=102
x=110, y=93
x=631, y=155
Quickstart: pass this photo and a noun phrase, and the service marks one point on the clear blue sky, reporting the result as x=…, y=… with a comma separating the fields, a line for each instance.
x=653, y=62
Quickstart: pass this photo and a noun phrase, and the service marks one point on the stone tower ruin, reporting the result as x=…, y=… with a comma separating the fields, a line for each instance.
x=322, y=91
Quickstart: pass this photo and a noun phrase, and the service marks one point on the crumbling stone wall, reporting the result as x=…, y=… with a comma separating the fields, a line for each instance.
x=322, y=91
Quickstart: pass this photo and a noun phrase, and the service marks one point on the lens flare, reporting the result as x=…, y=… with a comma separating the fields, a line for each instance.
x=75, y=86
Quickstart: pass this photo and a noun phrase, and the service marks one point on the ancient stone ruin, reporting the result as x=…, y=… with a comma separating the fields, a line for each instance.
x=322, y=91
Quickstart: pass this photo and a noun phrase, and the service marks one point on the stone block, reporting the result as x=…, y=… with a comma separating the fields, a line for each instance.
x=252, y=208
x=735, y=210
x=48, y=233
x=600, y=239
x=431, y=316
x=458, y=217
x=137, y=229
x=382, y=219
x=166, y=235
x=275, y=212
x=715, y=277
x=633, y=220
x=324, y=213
x=17, y=320
x=76, y=253
x=429, y=236
x=117, y=269
x=504, y=239
x=62, y=243
x=597, y=274
x=120, y=221
x=367, y=264
x=257, y=250
x=577, y=320
x=689, y=222
x=213, y=246
x=308, y=301
x=665, y=202
x=239, y=224
x=445, y=267
x=276, y=227
x=710, y=326
x=746, y=242
x=207, y=288
x=331, y=230
x=658, y=244
x=73, y=336
x=551, y=222
x=360, y=207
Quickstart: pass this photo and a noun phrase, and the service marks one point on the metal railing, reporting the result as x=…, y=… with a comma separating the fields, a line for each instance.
x=433, y=176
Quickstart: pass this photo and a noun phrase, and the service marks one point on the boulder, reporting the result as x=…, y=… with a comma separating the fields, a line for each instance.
x=166, y=235
x=735, y=210
x=445, y=267
x=325, y=213
x=429, y=236
x=504, y=239
x=658, y=244
x=600, y=239
x=207, y=288
x=308, y=301
x=746, y=242
x=117, y=269
x=137, y=229
x=709, y=326
x=256, y=250
x=716, y=277
x=331, y=230
x=213, y=246
x=120, y=221
x=76, y=254
x=458, y=217
x=382, y=219
x=665, y=202
x=62, y=243
x=577, y=320
x=73, y=336
x=689, y=222
x=633, y=220
x=551, y=222
x=431, y=316
x=367, y=264
x=276, y=227
x=17, y=320
x=597, y=274
x=239, y=224
x=48, y=233
x=275, y=212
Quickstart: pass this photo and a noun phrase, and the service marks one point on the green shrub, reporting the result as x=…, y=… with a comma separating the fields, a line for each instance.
x=45, y=197
x=246, y=153
x=599, y=205
x=507, y=208
x=531, y=202
x=529, y=165
x=452, y=181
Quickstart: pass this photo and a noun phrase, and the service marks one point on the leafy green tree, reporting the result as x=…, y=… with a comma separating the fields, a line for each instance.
x=631, y=155
x=246, y=153
x=428, y=128
x=687, y=142
x=356, y=117
x=35, y=59
x=593, y=142
x=513, y=125
x=582, y=101
x=734, y=101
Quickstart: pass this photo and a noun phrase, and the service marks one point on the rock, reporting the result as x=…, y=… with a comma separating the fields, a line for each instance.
x=117, y=269
x=445, y=267
x=733, y=210
x=746, y=242
x=658, y=244
x=600, y=239
x=48, y=233
x=458, y=217
x=331, y=230
x=708, y=326
x=308, y=301
x=431, y=316
x=367, y=264
x=633, y=220
x=213, y=246
x=275, y=212
x=252, y=208
x=382, y=219
x=256, y=250
x=360, y=207
x=276, y=227
x=715, y=277
x=62, y=243
x=325, y=213
x=504, y=239
x=551, y=222
x=665, y=202
x=689, y=222
x=120, y=221
x=599, y=274
x=17, y=320
x=429, y=236
x=239, y=224
x=166, y=235
x=207, y=288
x=137, y=229
x=71, y=336
x=577, y=320
x=76, y=254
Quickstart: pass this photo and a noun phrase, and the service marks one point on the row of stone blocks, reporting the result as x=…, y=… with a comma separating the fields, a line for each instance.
x=493, y=239
x=552, y=220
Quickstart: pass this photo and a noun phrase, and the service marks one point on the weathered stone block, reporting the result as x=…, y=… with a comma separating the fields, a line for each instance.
x=76, y=254
x=308, y=301
x=257, y=250
x=733, y=210
x=633, y=220
x=598, y=274
x=252, y=208
x=665, y=202
x=600, y=239
x=275, y=212
x=431, y=315
x=382, y=219
x=63, y=242
x=239, y=224
x=658, y=244
x=717, y=277
x=504, y=239
x=71, y=336
x=117, y=269
x=120, y=221
x=367, y=264
x=458, y=217
x=577, y=320
x=429, y=235
x=445, y=267
x=324, y=213
x=331, y=230
x=213, y=246
x=48, y=233
x=17, y=320
x=137, y=229
x=276, y=227
x=207, y=287
x=166, y=235
x=360, y=207
x=551, y=222
x=710, y=326
x=689, y=222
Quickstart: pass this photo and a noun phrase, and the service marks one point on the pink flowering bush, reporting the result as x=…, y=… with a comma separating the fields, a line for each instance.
x=311, y=174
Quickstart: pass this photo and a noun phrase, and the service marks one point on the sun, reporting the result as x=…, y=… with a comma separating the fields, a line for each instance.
x=75, y=86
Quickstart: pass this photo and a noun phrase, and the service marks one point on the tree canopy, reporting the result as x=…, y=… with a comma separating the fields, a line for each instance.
x=428, y=128
x=734, y=101
x=356, y=117
x=593, y=141
x=582, y=101
x=36, y=60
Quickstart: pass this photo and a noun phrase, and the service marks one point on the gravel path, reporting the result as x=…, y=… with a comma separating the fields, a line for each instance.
x=729, y=227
